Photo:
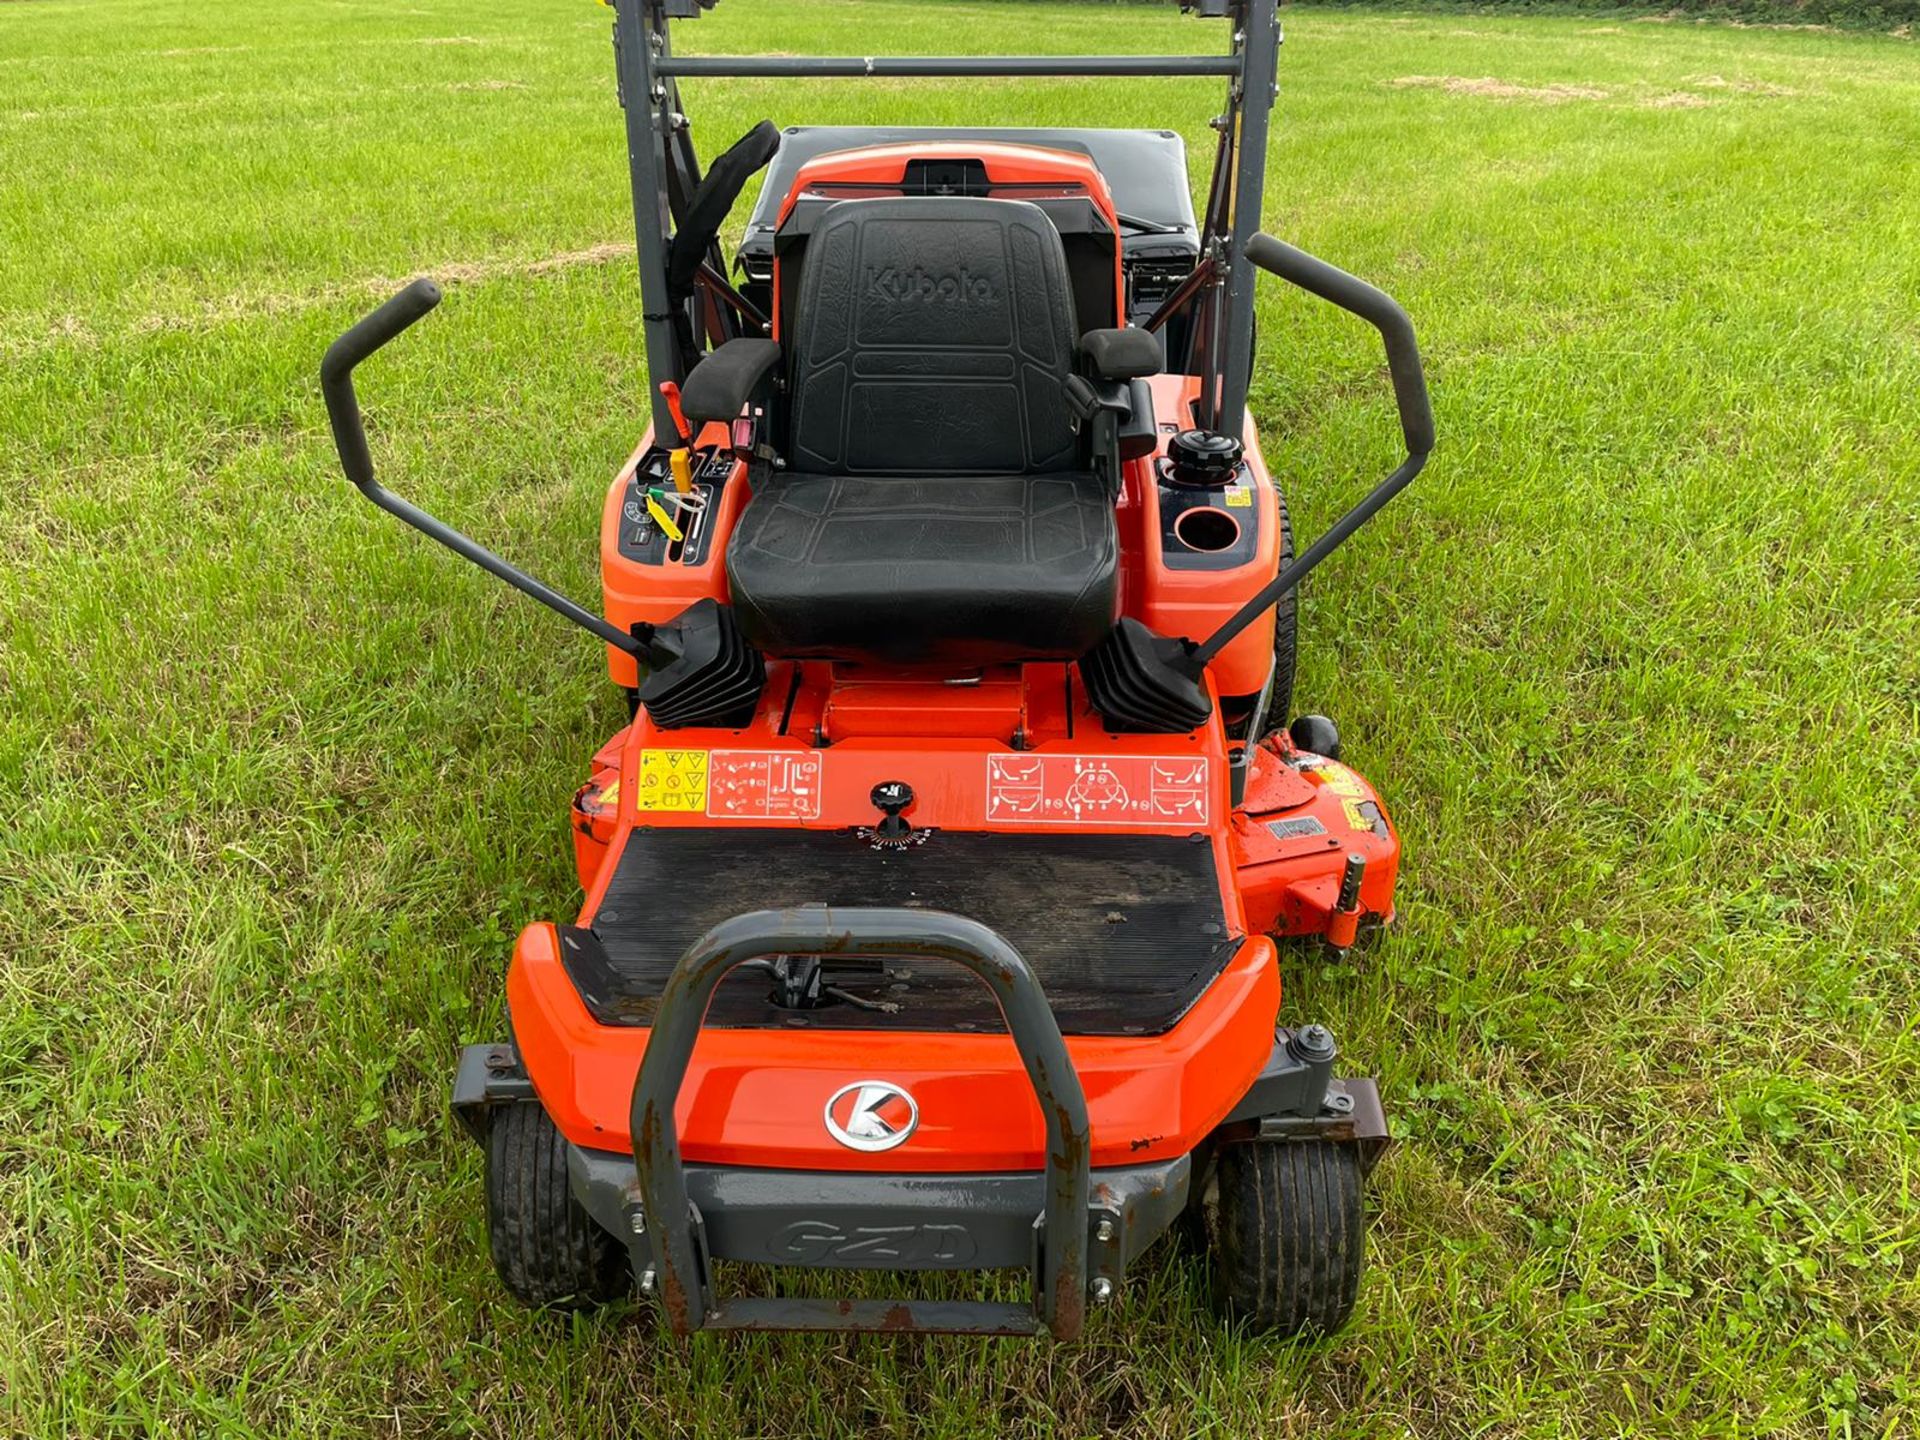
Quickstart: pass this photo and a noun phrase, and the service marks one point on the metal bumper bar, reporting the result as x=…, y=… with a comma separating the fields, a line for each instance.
x=1077, y=1230
x=810, y=1219
x=1060, y=1269
x=802, y=67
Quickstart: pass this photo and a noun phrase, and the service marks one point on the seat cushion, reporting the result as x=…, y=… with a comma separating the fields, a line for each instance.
x=973, y=569
x=934, y=335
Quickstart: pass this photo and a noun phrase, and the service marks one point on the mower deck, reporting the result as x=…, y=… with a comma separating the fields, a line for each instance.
x=1122, y=931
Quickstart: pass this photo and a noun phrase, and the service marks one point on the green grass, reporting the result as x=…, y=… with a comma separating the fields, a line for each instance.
x=1638, y=663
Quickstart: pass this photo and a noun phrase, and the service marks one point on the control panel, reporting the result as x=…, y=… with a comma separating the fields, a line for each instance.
x=1208, y=518
x=653, y=508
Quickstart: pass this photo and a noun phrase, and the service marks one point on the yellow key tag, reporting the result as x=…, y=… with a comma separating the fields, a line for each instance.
x=662, y=519
x=682, y=472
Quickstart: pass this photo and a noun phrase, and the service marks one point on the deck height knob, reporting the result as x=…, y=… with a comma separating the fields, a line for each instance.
x=890, y=797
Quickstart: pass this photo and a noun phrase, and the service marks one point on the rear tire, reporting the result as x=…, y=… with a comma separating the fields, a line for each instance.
x=1286, y=633
x=1286, y=1235
x=1238, y=710
x=549, y=1252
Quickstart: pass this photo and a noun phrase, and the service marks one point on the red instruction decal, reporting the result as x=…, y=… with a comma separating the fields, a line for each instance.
x=1098, y=789
x=763, y=785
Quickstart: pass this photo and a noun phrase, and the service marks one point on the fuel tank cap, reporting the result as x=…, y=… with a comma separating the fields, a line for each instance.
x=1202, y=459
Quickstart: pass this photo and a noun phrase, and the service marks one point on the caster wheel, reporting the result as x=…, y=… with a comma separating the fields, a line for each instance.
x=1285, y=1225
x=548, y=1250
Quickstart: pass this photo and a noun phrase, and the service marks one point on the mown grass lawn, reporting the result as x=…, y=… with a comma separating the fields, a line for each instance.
x=1638, y=663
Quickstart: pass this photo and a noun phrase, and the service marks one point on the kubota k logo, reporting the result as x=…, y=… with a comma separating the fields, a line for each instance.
x=901, y=286
x=871, y=1115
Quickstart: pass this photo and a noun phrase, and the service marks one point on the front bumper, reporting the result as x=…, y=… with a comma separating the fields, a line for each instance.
x=861, y=1220
x=887, y=1222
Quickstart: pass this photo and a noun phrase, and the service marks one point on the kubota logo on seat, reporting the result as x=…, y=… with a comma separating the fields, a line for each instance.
x=871, y=1115
x=960, y=286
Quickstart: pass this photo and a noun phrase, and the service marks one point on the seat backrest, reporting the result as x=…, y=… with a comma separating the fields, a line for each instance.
x=933, y=335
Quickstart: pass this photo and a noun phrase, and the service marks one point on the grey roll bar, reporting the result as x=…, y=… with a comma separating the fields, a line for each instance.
x=661, y=161
x=1060, y=1276
x=800, y=67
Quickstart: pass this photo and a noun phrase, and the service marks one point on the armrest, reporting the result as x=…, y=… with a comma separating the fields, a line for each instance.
x=1123, y=354
x=721, y=384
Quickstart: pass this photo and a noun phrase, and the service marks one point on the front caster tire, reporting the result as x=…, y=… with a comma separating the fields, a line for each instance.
x=1285, y=1224
x=549, y=1252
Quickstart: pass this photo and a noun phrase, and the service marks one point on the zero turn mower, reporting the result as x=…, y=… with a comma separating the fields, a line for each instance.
x=932, y=891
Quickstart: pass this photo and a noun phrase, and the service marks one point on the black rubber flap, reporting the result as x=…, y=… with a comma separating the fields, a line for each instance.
x=1145, y=683
x=1123, y=931
x=702, y=671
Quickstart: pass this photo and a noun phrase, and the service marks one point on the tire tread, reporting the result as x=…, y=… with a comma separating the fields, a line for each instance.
x=1286, y=632
x=549, y=1253
x=1288, y=1236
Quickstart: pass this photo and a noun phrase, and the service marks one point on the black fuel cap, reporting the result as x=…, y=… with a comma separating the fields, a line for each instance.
x=1203, y=459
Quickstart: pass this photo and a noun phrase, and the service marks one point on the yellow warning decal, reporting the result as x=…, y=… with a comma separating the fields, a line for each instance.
x=1340, y=780
x=1239, y=497
x=674, y=780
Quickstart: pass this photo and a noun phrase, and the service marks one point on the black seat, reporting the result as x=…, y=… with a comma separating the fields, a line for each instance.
x=939, y=504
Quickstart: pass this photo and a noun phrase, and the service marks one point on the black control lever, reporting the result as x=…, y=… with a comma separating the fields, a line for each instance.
x=1142, y=681
x=1380, y=310
x=350, y=439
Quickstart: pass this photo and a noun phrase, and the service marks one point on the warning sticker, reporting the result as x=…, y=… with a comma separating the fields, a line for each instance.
x=764, y=785
x=674, y=780
x=1364, y=817
x=1340, y=780
x=1239, y=497
x=1098, y=789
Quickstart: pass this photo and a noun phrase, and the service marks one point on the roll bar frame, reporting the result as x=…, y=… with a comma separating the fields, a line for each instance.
x=664, y=169
x=1060, y=1232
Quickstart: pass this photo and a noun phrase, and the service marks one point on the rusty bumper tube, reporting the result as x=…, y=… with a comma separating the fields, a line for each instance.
x=682, y=1280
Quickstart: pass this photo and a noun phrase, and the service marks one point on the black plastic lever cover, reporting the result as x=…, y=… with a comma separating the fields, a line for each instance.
x=336, y=372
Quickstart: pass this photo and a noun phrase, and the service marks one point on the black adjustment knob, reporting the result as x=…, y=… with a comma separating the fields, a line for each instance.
x=890, y=797
x=1203, y=459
